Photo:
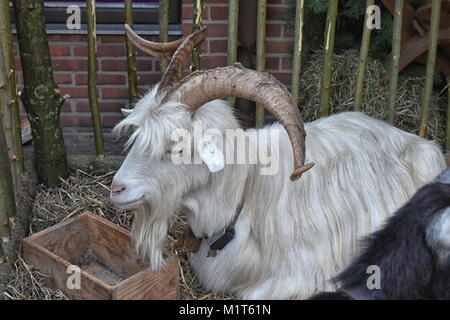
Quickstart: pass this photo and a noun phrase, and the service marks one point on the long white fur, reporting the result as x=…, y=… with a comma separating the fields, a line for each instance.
x=291, y=237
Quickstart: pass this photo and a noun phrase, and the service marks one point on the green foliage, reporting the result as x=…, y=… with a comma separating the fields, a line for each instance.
x=349, y=27
x=317, y=6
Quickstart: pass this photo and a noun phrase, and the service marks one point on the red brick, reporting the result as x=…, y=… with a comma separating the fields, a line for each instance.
x=111, y=50
x=110, y=121
x=214, y=29
x=66, y=37
x=148, y=79
x=216, y=46
x=287, y=63
x=75, y=120
x=112, y=39
x=210, y=62
x=217, y=29
x=272, y=63
x=114, y=93
x=276, y=13
x=102, y=78
x=219, y=13
x=70, y=64
x=83, y=106
x=63, y=78
x=279, y=46
x=187, y=13
x=113, y=64
x=18, y=65
x=67, y=107
x=144, y=65
x=75, y=92
x=283, y=77
x=273, y=30
x=80, y=50
x=58, y=50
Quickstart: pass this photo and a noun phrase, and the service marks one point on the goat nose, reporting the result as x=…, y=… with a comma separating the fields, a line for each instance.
x=117, y=188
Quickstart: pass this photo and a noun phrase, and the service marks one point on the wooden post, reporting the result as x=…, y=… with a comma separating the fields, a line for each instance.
x=11, y=113
x=260, y=52
x=163, y=30
x=197, y=23
x=330, y=30
x=131, y=56
x=396, y=47
x=363, y=54
x=431, y=66
x=297, y=56
x=233, y=19
x=92, y=78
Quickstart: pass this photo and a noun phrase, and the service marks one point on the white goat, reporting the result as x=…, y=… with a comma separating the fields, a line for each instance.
x=290, y=237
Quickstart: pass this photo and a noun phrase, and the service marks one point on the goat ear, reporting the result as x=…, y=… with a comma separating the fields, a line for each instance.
x=126, y=112
x=210, y=154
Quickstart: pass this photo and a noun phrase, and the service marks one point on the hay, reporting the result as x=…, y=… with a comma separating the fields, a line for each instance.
x=376, y=92
x=80, y=192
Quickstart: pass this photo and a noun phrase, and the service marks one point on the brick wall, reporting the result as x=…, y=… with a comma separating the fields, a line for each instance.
x=69, y=57
x=279, y=42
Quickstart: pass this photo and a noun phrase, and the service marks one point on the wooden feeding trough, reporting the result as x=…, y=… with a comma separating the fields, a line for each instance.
x=110, y=268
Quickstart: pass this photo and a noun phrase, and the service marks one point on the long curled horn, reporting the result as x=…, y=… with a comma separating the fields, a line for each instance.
x=201, y=87
x=182, y=58
x=155, y=49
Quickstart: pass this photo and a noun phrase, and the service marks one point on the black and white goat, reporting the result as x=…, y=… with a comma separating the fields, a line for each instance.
x=411, y=252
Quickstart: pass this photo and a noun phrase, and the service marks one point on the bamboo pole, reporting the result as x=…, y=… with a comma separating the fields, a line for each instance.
x=233, y=19
x=396, y=46
x=163, y=29
x=363, y=54
x=131, y=56
x=431, y=66
x=297, y=56
x=197, y=23
x=92, y=78
x=7, y=196
x=11, y=108
x=330, y=31
x=260, y=52
x=448, y=118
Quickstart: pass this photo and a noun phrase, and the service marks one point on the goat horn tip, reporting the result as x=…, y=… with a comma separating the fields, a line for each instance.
x=298, y=172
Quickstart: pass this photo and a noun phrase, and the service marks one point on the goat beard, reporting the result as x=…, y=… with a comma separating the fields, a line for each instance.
x=149, y=234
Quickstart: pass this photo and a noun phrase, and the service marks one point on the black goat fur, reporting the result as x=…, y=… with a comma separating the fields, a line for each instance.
x=408, y=265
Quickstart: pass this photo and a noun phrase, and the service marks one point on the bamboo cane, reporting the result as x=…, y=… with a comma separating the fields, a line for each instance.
x=92, y=78
x=260, y=52
x=197, y=23
x=448, y=117
x=131, y=56
x=364, y=53
x=11, y=113
x=163, y=29
x=233, y=18
x=330, y=30
x=297, y=56
x=396, y=46
x=7, y=196
x=431, y=66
